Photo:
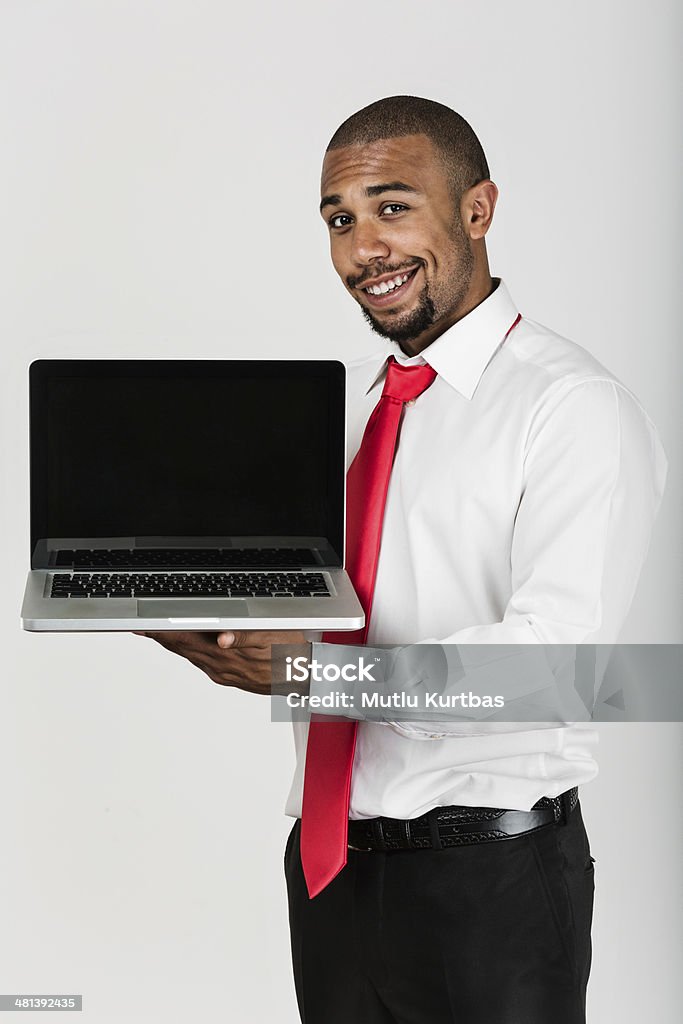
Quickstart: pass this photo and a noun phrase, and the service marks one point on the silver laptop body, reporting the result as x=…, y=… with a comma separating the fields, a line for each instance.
x=188, y=494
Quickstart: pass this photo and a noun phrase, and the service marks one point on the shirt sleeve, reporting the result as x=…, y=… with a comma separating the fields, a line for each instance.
x=594, y=474
x=593, y=477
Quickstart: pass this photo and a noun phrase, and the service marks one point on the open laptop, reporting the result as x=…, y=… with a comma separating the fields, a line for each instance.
x=188, y=494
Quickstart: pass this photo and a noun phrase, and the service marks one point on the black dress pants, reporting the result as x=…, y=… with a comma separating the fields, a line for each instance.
x=497, y=933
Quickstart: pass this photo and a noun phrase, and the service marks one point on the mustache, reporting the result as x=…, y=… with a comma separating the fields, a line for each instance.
x=378, y=270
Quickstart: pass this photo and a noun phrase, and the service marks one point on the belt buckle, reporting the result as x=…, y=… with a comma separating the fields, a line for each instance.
x=360, y=849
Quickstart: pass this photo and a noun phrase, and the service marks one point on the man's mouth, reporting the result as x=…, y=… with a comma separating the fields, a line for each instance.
x=387, y=289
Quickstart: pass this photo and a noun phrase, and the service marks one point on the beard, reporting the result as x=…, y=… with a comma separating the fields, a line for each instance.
x=409, y=326
x=432, y=305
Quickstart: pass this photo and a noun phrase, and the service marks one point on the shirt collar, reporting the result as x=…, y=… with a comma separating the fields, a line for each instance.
x=462, y=353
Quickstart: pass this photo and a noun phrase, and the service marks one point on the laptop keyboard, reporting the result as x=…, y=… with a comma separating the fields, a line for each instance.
x=195, y=584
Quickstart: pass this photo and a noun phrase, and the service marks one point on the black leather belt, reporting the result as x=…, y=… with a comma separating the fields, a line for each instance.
x=459, y=826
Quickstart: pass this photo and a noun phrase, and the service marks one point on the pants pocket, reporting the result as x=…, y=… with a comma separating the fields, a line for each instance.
x=550, y=870
x=567, y=876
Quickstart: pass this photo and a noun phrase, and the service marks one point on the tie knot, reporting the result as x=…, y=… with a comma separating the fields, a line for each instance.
x=405, y=383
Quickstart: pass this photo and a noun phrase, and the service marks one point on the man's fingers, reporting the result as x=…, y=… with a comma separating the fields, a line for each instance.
x=236, y=639
x=165, y=635
x=244, y=638
x=174, y=640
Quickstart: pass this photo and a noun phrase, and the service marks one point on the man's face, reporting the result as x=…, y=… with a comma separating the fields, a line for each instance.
x=397, y=240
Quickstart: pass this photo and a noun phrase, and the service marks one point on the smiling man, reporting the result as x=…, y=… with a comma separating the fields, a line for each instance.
x=420, y=273
x=502, y=490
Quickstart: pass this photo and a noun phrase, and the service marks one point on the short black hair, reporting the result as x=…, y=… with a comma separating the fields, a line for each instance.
x=396, y=116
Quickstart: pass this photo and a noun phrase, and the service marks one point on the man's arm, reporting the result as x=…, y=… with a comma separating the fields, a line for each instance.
x=594, y=473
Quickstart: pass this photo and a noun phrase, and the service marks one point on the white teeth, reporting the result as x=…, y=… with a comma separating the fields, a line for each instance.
x=388, y=286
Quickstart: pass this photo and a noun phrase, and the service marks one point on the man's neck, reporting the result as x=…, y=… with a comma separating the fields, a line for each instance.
x=475, y=296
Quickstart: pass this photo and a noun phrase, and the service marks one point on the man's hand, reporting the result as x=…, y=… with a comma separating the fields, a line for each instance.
x=236, y=658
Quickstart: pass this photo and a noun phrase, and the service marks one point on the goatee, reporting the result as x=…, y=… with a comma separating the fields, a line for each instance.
x=406, y=328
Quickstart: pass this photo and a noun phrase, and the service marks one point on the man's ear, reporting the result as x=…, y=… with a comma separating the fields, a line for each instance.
x=476, y=208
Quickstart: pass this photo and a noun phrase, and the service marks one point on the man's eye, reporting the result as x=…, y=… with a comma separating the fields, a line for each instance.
x=340, y=220
x=394, y=208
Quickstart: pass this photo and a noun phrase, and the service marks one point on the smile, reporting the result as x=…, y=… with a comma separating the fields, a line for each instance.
x=389, y=289
x=387, y=286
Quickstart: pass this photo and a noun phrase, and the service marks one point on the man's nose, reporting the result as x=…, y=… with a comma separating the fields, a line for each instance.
x=368, y=243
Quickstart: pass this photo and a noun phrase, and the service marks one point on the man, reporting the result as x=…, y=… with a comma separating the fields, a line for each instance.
x=509, y=500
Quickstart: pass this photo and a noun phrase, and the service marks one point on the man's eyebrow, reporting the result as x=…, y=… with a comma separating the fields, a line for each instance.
x=334, y=200
x=391, y=186
x=371, y=191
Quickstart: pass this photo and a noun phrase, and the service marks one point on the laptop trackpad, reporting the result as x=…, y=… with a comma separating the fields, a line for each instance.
x=191, y=608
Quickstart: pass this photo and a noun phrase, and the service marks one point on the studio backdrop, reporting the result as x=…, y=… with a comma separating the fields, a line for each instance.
x=160, y=165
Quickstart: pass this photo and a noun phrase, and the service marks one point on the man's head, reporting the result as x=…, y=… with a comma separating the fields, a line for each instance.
x=407, y=198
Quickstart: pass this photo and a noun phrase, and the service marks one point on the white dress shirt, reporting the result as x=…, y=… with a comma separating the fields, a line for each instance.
x=522, y=497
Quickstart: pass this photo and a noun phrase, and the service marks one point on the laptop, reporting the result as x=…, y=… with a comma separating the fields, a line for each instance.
x=187, y=494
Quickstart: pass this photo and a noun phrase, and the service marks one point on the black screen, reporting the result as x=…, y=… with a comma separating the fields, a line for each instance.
x=179, y=449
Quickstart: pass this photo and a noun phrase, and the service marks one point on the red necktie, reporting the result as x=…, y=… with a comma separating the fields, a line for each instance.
x=331, y=744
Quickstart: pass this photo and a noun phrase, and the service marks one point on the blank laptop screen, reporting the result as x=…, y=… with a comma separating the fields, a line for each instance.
x=187, y=449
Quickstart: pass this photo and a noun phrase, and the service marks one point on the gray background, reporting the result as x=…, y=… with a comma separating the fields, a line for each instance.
x=159, y=166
